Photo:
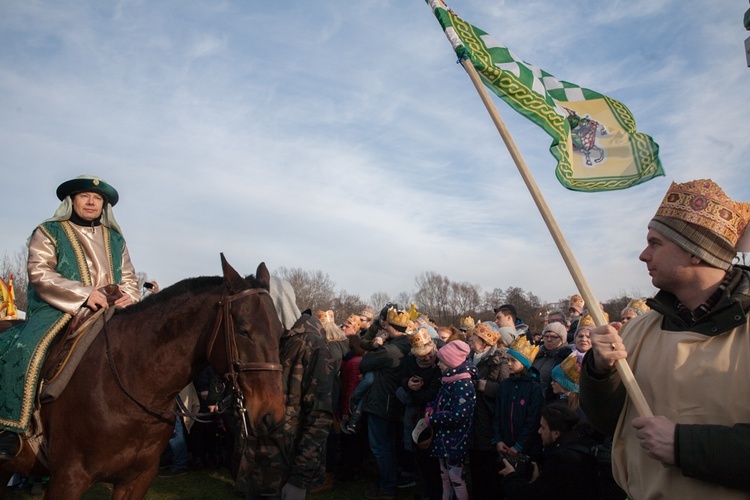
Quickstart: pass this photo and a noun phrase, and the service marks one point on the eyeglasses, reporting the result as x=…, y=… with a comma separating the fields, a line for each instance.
x=551, y=337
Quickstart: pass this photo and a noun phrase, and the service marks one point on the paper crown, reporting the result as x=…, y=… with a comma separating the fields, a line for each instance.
x=325, y=316
x=586, y=322
x=638, y=306
x=486, y=333
x=421, y=342
x=703, y=203
x=368, y=312
x=466, y=323
x=354, y=320
x=568, y=373
x=398, y=318
x=576, y=301
x=523, y=351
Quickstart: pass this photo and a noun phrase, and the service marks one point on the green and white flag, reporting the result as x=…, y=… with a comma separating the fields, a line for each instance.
x=593, y=136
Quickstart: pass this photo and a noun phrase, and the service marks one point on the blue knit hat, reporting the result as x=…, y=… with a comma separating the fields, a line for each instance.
x=568, y=373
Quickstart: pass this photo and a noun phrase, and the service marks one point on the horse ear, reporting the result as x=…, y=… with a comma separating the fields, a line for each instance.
x=263, y=276
x=232, y=278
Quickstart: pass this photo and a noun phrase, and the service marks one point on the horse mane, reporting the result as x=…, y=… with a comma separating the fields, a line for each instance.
x=194, y=286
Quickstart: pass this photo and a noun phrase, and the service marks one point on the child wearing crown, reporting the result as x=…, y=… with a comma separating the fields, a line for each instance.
x=519, y=403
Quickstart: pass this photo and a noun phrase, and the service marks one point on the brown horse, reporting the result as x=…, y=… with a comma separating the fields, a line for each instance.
x=115, y=417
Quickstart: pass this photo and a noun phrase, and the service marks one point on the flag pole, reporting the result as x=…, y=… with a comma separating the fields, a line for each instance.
x=626, y=374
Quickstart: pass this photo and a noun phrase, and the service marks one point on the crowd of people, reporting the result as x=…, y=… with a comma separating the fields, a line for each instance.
x=474, y=410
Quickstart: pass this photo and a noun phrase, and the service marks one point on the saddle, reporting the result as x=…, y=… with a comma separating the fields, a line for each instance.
x=71, y=344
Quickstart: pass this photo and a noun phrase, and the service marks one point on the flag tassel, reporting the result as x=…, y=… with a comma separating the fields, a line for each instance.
x=626, y=374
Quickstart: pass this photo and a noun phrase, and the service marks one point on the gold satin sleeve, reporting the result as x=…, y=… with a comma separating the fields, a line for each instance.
x=69, y=295
x=128, y=277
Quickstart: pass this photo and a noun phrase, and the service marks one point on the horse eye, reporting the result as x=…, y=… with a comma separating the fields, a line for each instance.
x=244, y=332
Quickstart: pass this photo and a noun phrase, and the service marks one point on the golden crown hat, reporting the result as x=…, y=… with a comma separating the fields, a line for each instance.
x=354, y=320
x=398, y=318
x=368, y=312
x=571, y=368
x=325, y=316
x=638, y=305
x=411, y=326
x=587, y=321
x=704, y=203
x=466, y=323
x=522, y=346
x=576, y=301
x=486, y=333
x=413, y=313
x=568, y=373
x=421, y=342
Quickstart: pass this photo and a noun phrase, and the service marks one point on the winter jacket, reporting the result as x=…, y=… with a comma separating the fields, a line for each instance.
x=386, y=362
x=544, y=362
x=567, y=473
x=493, y=368
x=451, y=414
x=296, y=452
x=518, y=412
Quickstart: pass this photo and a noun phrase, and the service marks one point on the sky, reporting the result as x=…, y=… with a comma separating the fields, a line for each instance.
x=342, y=136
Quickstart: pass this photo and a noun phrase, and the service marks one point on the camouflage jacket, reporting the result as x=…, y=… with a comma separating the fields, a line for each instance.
x=296, y=453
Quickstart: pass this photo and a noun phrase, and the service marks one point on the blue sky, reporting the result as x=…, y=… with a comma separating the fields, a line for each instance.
x=342, y=136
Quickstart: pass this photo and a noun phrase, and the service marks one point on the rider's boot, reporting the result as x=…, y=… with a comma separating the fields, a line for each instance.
x=10, y=445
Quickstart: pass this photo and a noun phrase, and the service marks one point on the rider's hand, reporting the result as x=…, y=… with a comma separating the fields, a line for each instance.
x=96, y=301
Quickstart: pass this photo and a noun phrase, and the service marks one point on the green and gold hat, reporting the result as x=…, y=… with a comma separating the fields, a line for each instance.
x=84, y=183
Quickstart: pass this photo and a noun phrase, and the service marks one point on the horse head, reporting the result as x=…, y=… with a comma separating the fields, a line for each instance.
x=249, y=355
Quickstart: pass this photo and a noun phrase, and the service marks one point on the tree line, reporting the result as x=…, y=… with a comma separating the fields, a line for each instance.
x=445, y=301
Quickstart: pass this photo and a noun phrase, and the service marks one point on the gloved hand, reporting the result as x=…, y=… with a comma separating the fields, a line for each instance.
x=292, y=492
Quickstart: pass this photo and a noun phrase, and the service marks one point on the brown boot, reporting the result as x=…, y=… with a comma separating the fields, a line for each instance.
x=328, y=483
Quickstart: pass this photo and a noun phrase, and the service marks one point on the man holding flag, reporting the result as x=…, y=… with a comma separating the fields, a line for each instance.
x=690, y=354
x=692, y=351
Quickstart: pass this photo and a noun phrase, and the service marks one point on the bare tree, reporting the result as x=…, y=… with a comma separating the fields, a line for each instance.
x=15, y=265
x=493, y=299
x=345, y=304
x=404, y=300
x=432, y=295
x=313, y=289
x=378, y=300
x=463, y=300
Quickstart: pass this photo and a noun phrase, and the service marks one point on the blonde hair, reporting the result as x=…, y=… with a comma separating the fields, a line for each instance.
x=333, y=332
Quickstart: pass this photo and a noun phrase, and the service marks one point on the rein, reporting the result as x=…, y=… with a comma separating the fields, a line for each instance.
x=235, y=365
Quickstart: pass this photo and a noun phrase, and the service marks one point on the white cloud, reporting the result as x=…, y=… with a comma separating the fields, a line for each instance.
x=346, y=139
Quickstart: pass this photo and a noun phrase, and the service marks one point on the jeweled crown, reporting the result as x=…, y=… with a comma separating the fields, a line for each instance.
x=704, y=203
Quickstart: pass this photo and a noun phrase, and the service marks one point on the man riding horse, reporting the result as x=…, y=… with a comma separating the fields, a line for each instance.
x=72, y=255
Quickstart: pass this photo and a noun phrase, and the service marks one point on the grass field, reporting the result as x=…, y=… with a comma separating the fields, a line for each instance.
x=212, y=484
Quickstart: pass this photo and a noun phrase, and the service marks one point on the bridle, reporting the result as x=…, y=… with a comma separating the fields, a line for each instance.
x=235, y=364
